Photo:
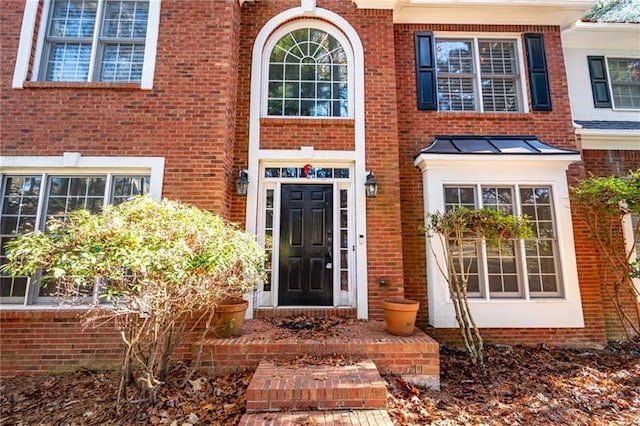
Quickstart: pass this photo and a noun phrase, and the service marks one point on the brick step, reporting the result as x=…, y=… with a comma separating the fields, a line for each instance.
x=316, y=387
x=326, y=418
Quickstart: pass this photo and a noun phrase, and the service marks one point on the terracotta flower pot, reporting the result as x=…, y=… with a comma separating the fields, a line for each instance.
x=400, y=316
x=228, y=318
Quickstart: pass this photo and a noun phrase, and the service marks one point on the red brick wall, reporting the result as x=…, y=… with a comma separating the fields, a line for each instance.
x=56, y=340
x=417, y=130
x=375, y=28
x=188, y=117
x=616, y=163
x=38, y=341
x=321, y=134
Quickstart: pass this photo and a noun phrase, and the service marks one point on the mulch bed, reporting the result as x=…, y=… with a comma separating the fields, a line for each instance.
x=527, y=386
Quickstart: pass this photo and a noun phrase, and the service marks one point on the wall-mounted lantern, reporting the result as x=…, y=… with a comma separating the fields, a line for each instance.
x=242, y=183
x=371, y=186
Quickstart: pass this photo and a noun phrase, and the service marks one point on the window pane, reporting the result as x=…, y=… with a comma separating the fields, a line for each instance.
x=19, y=211
x=122, y=62
x=541, y=252
x=459, y=196
x=68, y=62
x=125, y=19
x=75, y=193
x=125, y=187
x=497, y=57
x=300, y=60
x=634, y=226
x=501, y=269
x=73, y=18
x=499, y=94
x=456, y=94
x=454, y=57
x=625, y=82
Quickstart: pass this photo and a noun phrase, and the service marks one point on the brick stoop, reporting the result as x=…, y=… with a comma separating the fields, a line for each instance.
x=415, y=358
x=324, y=418
x=316, y=387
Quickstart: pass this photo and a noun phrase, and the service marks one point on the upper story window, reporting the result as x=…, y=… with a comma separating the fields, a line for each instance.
x=95, y=40
x=82, y=41
x=478, y=74
x=308, y=75
x=615, y=82
x=624, y=74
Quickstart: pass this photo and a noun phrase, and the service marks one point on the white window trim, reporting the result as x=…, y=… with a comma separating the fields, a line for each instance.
x=73, y=164
x=296, y=25
x=29, y=26
x=523, y=99
x=610, y=83
x=439, y=170
x=627, y=228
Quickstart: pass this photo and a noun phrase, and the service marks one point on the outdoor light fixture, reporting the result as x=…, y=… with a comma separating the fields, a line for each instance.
x=242, y=183
x=371, y=186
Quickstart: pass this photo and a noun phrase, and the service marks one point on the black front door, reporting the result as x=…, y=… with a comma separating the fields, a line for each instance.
x=306, y=265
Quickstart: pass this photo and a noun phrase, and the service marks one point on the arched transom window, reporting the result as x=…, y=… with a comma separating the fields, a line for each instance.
x=308, y=75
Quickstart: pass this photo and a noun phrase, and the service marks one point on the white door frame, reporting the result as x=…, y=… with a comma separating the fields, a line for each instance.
x=341, y=298
x=308, y=154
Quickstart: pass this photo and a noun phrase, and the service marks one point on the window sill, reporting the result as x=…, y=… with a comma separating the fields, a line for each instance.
x=475, y=115
x=80, y=85
x=308, y=121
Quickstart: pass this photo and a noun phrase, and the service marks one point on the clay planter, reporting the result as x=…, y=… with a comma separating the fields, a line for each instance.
x=228, y=318
x=400, y=316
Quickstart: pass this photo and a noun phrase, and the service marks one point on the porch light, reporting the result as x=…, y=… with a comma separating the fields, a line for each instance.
x=371, y=186
x=242, y=183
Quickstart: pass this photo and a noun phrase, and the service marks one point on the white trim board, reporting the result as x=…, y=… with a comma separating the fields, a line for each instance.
x=75, y=163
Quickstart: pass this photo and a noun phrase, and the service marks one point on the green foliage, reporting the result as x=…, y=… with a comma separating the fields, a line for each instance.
x=157, y=262
x=488, y=223
x=603, y=203
x=141, y=245
x=610, y=195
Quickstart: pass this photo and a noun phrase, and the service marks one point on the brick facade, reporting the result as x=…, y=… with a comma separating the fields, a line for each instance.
x=197, y=118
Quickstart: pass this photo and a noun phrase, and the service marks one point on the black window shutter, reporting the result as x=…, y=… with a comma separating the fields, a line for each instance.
x=538, y=76
x=426, y=71
x=599, y=84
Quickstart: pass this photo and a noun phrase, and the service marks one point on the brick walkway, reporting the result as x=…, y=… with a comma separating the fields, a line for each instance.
x=337, y=395
x=328, y=418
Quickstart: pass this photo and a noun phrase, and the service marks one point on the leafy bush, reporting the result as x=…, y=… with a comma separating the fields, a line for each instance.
x=604, y=202
x=461, y=228
x=156, y=262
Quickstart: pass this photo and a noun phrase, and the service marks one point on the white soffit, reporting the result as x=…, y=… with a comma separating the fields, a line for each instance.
x=534, y=12
x=601, y=139
x=596, y=35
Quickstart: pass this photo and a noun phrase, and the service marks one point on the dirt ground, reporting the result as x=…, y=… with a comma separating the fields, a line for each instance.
x=519, y=385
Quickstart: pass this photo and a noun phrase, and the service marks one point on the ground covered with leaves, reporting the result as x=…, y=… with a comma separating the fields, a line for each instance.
x=519, y=385
x=89, y=398
x=527, y=386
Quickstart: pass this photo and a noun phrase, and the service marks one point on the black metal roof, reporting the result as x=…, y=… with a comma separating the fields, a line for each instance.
x=493, y=145
x=609, y=125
